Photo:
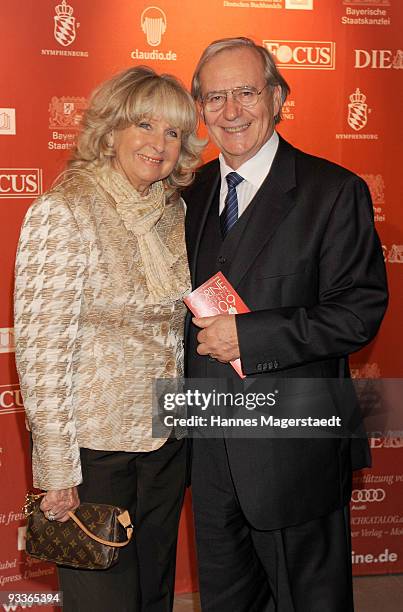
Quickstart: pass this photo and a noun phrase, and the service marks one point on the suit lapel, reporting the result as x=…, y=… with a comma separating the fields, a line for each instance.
x=271, y=204
x=202, y=200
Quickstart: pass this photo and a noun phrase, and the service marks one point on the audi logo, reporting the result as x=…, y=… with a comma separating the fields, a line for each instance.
x=368, y=495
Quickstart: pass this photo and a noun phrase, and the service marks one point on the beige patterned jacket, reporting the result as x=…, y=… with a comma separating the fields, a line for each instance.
x=89, y=342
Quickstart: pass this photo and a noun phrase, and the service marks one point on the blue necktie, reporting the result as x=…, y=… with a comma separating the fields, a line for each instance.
x=229, y=215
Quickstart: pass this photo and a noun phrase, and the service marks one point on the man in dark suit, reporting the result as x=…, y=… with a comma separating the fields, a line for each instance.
x=294, y=235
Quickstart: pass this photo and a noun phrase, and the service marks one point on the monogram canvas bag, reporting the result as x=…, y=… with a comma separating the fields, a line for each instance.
x=90, y=539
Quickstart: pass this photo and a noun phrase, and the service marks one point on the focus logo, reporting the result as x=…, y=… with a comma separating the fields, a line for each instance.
x=10, y=399
x=7, y=121
x=378, y=58
x=7, y=344
x=303, y=54
x=65, y=24
x=306, y=5
x=154, y=24
x=20, y=182
x=368, y=495
x=357, y=111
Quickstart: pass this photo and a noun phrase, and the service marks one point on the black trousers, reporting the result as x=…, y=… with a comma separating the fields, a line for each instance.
x=151, y=486
x=302, y=568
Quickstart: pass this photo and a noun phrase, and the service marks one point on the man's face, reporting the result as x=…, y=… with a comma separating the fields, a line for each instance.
x=239, y=132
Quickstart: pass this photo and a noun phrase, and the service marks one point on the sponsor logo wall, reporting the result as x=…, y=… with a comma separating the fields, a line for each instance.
x=343, y=60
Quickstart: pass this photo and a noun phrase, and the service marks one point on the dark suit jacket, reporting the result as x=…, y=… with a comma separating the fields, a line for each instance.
x=307, y=261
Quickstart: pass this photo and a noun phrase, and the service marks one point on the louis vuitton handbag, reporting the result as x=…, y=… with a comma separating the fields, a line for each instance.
x=90, y=539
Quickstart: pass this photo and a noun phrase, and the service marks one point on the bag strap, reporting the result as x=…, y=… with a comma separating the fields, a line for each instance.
x=124, y=520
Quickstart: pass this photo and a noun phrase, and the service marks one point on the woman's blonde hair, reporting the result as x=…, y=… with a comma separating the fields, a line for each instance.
x=128, y=98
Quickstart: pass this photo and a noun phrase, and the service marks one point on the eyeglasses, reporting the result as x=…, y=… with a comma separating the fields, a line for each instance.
x=246, y=96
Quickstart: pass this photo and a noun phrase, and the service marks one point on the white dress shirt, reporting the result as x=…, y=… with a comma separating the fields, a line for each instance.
x=254, y=171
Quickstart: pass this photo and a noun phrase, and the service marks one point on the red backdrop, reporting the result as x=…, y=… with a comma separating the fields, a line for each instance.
x=343, y=63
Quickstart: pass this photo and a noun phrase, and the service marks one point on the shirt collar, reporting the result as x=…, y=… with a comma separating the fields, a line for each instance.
x=255, y=169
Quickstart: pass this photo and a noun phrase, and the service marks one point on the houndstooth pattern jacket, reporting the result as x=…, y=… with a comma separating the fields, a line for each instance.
x=89, y=341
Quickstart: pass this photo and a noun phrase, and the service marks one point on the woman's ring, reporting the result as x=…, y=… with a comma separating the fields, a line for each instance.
x=50, y=515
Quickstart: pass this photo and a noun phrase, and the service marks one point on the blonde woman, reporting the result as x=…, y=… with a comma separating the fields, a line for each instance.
x=100, y=274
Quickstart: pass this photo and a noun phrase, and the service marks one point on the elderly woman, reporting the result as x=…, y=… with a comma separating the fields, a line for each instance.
x=100, y=275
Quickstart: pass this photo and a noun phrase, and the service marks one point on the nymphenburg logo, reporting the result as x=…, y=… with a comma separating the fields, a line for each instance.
x=7, y=121
x=7, y=344
x=65, y=113
x=20, y=182
x=357, y=111
x=306, y=5
x=303, y=54
x=357, y=118
x=154, y=24
x=368, y=495
x=65, y=24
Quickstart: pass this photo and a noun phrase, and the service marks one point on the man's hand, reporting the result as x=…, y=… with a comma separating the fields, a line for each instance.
x=218, y=337
x=56, y=504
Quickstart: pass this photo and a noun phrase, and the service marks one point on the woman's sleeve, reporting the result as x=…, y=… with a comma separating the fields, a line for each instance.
x=49, y=271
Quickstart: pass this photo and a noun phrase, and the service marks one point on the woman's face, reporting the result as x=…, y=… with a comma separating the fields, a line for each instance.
x=146, y=152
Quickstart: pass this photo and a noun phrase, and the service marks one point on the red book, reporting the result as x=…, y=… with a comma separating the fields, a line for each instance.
x=216, y=297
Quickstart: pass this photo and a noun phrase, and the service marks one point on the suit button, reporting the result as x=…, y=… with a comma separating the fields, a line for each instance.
x=259, y=367
x=276, y=363
x=222, y=259
x=270, y=365
x=265, y=367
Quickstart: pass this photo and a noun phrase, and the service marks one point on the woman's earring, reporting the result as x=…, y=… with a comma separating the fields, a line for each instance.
x=109, y=140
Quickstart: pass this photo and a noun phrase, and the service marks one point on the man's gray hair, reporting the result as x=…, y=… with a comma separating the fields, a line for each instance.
x=271, y=73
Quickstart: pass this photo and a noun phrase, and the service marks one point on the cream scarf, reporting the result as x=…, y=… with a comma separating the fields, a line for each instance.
x=140, y=214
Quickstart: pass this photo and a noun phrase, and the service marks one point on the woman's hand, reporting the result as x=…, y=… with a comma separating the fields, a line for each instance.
x=56, y=504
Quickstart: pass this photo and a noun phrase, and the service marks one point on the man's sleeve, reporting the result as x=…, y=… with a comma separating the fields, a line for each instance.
x=352, y=295
x=49, y=271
